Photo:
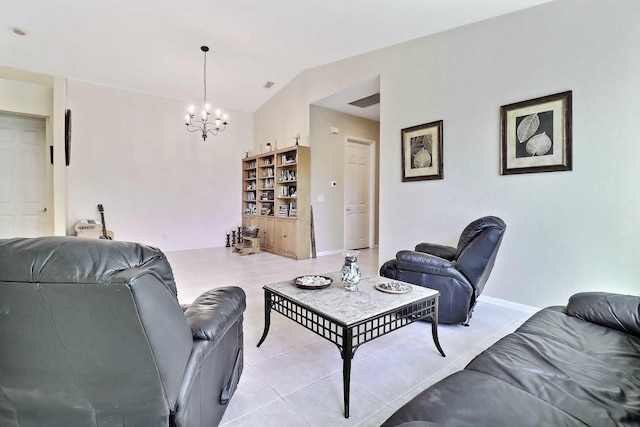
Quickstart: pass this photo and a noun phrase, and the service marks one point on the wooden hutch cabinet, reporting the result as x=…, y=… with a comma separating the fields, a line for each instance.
x=275, y=199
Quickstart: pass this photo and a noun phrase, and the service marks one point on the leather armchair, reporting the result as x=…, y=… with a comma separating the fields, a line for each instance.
x=91, y=334
x=459, y=274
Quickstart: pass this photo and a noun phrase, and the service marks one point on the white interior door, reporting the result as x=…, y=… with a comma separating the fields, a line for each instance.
x=356, y=216
x=25, y=177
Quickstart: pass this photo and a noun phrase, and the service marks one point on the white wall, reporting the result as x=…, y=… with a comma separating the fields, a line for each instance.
x=327, y=164
x=159, y=184
x=567, y=231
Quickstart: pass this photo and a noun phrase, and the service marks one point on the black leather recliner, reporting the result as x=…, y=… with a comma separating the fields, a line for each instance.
x=459, y=274
x=91, y=334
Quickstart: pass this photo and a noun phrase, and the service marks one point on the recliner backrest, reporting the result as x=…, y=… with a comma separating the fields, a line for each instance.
x=89, y=327
x=477, y=249
x=79, y=260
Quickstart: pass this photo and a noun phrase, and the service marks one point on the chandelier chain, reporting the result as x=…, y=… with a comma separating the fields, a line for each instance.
x=205, y=77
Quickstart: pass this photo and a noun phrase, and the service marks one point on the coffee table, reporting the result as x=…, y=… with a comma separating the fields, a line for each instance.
x=350, y=319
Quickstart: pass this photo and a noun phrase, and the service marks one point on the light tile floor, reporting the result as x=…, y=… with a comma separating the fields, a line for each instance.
x=295, y=377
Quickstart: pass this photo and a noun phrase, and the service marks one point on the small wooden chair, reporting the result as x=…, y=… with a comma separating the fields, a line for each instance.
x=250, y=243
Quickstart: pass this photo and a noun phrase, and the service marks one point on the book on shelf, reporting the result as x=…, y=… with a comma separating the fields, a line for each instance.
x=287, y=160
x=268, y=183
x=250, y=209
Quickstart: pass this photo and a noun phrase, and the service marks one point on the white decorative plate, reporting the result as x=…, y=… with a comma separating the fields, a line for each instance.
x=393, y=287
x=313, y=282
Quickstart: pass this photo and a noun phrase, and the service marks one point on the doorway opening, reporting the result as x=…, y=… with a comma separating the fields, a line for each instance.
x=359, y=193
x=26, y=177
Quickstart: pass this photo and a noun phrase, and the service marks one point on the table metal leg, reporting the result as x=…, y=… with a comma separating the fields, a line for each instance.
x=267, y=316
x=434, y=334
x=347, y=355
x=434, y=327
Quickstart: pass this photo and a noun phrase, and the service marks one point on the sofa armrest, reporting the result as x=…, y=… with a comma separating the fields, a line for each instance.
x=420, y=261
x=616, y=311
x=212, y=314
x=388, y=269
x=446, y=252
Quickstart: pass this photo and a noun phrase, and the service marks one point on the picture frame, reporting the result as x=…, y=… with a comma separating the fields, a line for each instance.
x=536, y=135
x=422, y=152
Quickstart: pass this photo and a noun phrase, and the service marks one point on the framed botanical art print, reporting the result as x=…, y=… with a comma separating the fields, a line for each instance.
x=536, y=135
x=422, y=152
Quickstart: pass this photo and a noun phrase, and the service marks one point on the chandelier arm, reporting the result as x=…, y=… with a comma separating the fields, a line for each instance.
x=216, y=131
x=192, y=128
x=194, y=122
x=197, y=122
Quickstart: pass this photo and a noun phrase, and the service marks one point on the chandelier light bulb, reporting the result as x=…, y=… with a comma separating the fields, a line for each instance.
x=192, y=108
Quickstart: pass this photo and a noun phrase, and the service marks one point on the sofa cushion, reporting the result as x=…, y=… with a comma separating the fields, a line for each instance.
x=469, y=398
x=590, y=372
x=621, y=312
x=555, y=370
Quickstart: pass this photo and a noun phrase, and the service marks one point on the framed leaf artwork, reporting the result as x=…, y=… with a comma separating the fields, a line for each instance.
x=536, y=135
x=422, y=152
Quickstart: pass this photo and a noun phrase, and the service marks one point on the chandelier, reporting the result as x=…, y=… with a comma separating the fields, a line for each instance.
x=204, y=125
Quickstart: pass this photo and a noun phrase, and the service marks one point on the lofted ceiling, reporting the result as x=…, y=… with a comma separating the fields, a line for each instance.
x=153, y=46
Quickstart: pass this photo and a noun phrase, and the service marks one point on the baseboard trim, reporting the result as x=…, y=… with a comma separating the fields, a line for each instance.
x=339, y=251
x=325, y=253
x=508, y=304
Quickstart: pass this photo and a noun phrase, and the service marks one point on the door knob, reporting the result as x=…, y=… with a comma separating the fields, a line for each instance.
x=43, y=209
x=348, y=210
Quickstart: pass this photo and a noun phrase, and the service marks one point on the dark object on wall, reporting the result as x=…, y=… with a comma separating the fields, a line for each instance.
x=67, y=137
x=459, y=274
x=95, y=325
x=536, y=135
x=565, y=366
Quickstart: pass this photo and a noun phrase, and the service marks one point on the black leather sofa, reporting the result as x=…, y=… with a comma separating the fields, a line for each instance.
x=566, y=366
x=91, y=334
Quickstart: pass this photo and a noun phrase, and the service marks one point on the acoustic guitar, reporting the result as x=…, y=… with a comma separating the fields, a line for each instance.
x=108, y=235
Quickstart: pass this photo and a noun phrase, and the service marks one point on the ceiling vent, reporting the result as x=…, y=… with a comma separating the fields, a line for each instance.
x=268, y=85
x=367, y=101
